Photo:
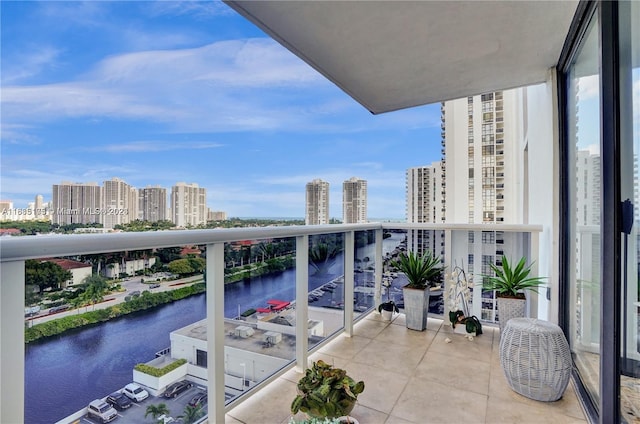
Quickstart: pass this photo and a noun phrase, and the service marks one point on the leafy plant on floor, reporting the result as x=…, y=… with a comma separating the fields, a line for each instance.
x=511, y=281
x=325, y=391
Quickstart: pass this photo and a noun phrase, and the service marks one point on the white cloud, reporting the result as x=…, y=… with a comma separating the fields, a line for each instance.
x=28, y=64
x=589, y=87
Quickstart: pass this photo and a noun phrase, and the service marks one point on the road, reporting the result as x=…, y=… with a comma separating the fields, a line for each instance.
x=130, y=285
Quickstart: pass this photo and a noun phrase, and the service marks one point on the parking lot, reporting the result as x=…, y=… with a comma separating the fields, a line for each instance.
x=135, y=414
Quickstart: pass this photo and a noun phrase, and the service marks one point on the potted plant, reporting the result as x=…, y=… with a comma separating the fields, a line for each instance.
x=388, y=308
x=460, y=316
x=421, y=271
x=325, y=391
x=511, y=283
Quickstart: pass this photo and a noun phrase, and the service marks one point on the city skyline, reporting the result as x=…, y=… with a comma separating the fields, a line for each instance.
x=155, y=93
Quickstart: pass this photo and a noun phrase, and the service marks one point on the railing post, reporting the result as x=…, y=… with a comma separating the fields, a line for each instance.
x=377, y=299
x=349, y=259
x=215, y=331
x=534, y=246
x=302, y=302
x=448, y=268
x=12, y=291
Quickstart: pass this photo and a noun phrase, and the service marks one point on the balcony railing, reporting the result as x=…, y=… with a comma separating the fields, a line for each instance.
x=215, y=371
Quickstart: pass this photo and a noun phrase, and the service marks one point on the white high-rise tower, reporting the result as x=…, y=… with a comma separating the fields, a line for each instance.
x=317, y=203
x=354, y=201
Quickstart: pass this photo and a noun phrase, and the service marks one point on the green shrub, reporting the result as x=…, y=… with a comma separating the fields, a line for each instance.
x=159, y=372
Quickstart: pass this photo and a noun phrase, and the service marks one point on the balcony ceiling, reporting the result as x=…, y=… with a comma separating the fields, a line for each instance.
x=391, y=55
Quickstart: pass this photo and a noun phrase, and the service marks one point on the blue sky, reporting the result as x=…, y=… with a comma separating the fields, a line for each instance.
x=162, y=92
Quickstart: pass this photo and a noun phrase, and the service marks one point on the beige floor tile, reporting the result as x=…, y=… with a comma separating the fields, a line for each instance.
x=366, y=415
x=369, y=328
x=432, y=322
x=501, y=411
x=270, y=405
x=425, y=401
x=467, y=374
x=460, y=347
x=567, y=405
x=228, y=419
x=396, y=334
x=382, y=388
x=398, y=420
x=392, y=357
x=345, y=347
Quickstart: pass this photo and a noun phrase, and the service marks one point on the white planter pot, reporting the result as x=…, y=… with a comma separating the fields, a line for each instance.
x=348, y=420
x=509, y=308
x=386, y=315
x=416, y=308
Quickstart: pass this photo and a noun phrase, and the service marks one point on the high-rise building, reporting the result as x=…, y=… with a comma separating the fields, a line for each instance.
x=317, y=203
x=483, y=178
x=76, y=203
x=424, y=205
x=188, y=205
x=119, y=203
x=152, y=203
x=354, y=201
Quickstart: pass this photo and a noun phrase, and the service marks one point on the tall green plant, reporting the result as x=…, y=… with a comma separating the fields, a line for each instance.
x=512, y=281
x=420, y=270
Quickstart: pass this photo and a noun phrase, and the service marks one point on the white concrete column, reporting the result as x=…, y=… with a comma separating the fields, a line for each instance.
x=215, y=331
x=349, y=258
x=302, y=302
x=12, y=282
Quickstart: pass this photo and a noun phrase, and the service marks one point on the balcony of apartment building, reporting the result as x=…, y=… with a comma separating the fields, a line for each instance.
x=410, y=376
x=395, y=55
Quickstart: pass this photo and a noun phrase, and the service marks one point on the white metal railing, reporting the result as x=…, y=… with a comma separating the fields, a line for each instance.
x=15, y=250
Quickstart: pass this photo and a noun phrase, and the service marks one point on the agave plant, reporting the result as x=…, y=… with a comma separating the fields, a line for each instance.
x=325, y=391
x=420, y=270
x=512, y=281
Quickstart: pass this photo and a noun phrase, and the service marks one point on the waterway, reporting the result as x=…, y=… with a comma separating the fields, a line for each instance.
x=64, y=373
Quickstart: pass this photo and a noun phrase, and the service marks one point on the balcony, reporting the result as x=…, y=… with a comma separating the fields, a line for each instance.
x=353, y=336
x=434, y=381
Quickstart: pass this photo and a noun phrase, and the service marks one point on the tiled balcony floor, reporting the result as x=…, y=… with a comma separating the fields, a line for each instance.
x=416, y=377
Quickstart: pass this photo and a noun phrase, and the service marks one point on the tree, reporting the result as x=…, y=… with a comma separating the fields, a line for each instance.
x=181, y=267
x=45, y=274
x=156, y=410
x=191, y=414
x=96, y=288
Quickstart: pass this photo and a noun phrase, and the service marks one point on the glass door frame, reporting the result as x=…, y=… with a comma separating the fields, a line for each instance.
x=608, y=407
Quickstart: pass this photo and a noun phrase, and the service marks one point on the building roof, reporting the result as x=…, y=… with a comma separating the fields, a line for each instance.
x=67, y=264
x=391, y=55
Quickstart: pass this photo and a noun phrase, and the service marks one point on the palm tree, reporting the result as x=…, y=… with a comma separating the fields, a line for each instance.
x=156, y=410
x=191, y=414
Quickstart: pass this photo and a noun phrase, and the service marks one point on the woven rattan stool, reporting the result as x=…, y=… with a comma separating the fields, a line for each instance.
x=535, y=358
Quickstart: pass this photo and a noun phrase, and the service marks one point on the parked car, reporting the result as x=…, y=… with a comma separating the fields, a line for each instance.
x=154, y=286
x=199, y=400
x=102, y=411
x=119, y=401
x=135, y=293
x=57, y=309
x=176, y=388
x=135, y=392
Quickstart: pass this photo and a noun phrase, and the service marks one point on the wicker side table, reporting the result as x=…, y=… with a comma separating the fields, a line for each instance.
x=535, y=358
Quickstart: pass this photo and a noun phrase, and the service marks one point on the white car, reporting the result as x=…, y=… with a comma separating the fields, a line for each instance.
x=102, y=411
x=135, y=392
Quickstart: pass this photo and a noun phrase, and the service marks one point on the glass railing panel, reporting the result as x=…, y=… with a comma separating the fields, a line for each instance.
x=364, y=272
x=326, y=285
x=91, y=319
x=260, y=315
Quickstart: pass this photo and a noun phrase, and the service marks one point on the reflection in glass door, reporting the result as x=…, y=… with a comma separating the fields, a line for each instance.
x=583, y=102
x=629, y=19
